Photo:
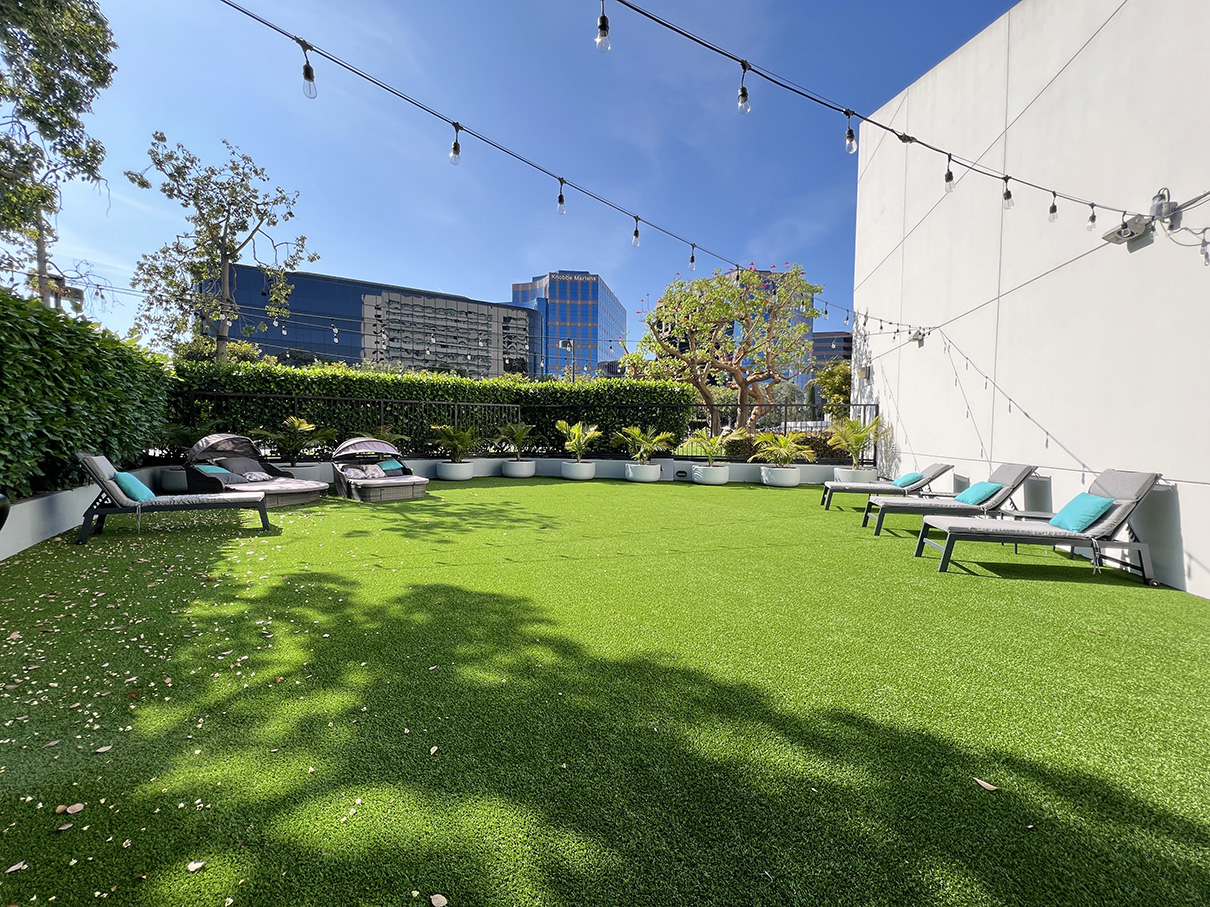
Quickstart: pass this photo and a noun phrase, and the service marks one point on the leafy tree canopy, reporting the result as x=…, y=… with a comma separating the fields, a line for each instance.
x=745, y=329
x=230, y=211
x=54, y=60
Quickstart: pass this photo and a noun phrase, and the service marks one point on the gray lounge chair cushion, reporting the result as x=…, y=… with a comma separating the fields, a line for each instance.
x=241, y=465
x=244, y=497
x=926, y=476
x=103, y=471
x=1009, y=476
x=1004, y=529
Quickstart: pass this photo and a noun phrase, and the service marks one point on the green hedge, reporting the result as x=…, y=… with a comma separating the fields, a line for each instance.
x=66, y=387
x=241, y=398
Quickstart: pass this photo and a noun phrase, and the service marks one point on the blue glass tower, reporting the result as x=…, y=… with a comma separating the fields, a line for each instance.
x=583, y=323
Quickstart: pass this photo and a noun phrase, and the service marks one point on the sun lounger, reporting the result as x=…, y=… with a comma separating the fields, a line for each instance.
x=1009, y=476
x=370, y=470
x=1126, y=489
x=113, y=500
x=883, y=488
x=225, y=463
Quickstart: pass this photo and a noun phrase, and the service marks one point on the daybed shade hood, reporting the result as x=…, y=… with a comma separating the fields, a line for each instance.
x=360, y=447
x=212, y=447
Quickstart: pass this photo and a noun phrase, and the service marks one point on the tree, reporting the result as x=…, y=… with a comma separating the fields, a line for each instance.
x=834, y=380
x=54, y=60
x=743, y=329
x=200, y=348
x=229, y=213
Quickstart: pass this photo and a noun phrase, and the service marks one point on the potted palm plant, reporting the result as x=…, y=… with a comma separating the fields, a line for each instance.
x=854, y=438
x=780, y=451
x=710, y=447
x=516, y=437
x=641, y=445
x=296, y=437
x=457, y=443
x=579, y=439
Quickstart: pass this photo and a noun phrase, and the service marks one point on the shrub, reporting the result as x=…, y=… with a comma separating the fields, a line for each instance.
x=67, y=387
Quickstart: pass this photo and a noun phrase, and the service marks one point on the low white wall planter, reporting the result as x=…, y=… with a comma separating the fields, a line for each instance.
x=710, y=475
x=813, y=474
x=779, y=476
x=855, y=475
x=455, y=472
x=578, y=471
x=642, y=472
x=518, y=469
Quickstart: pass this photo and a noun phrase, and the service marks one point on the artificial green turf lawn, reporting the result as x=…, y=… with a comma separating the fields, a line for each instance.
x=638, y=694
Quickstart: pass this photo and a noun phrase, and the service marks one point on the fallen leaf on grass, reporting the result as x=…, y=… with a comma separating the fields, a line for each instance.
x=16, y=634
x=16, y=866
x=74, y=809
x=438, y=900
x=104, y=749
x=60, y=809
x=195, y=865
x=48, y=745
x=64, y=826
x=433, y=751
x=985, y=785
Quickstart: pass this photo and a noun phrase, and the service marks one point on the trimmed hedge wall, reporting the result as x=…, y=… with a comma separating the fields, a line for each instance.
x=241, y=398
x=67, y=387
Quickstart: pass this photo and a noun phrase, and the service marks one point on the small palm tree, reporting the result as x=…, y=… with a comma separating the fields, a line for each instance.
x=457, y=442
x=579, y=437
x=782, y=450
x=854, y=438
x=640, y=444
x=296, y=437
x=712, y=447
x=515, y=436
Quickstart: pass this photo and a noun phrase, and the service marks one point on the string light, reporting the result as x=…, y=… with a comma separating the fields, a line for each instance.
x=603, y=44
x=456, y=148
x=562, y=205
x=949, y=173
x=1205, y=251
x=693, y=258
x=1091, y=223
x=308, y=70
x=850, y=137
x=635, y=240
x=1008, y=195
x=1054, y=207
x=744, y=106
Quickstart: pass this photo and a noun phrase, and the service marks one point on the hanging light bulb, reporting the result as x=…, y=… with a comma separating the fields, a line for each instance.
x=846, y=319
x=1054, y=207
x=693, y=258
x=562, y=204
x=275, y=322
x=456, y=148
x=1008, y=195
x=635, y=240
x=949, y=173
x=1091, y=223
x=603, y=44
x=308, y=70
x=1205, y=251
x=850, y=137
x=744, y=106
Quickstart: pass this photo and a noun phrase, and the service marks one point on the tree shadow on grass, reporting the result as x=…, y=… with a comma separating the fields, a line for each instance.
x=560, y=777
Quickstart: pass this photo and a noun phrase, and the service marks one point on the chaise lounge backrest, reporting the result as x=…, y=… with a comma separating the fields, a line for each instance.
x=1127, y=489
x=1009, y=477
x=103, y=472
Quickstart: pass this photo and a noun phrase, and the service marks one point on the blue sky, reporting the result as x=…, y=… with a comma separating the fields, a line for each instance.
x=652, y=125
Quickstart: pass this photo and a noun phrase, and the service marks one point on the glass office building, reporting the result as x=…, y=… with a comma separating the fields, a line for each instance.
x=338, y=319
x=582, y=322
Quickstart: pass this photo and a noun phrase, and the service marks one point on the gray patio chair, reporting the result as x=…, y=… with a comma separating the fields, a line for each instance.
x=883, y=488
x=1126, y=489
x=1009, y=476
x=113, y=500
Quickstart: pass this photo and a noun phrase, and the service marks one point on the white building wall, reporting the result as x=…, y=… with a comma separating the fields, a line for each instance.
x=1092, y=362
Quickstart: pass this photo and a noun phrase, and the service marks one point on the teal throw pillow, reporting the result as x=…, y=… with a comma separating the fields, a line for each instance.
x=213, y=470
x=390, y=464
x=978, y=493
x=132, y=487
x=908, y=478
x=1081, y=512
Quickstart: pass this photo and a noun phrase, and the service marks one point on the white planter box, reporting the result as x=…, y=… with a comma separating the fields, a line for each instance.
x=642, y=472
x=779, y=476
x=813, y=474
x=710, y=475
x=580, y=472
x=518, y=469
x=455, y=472
x=854, y=476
